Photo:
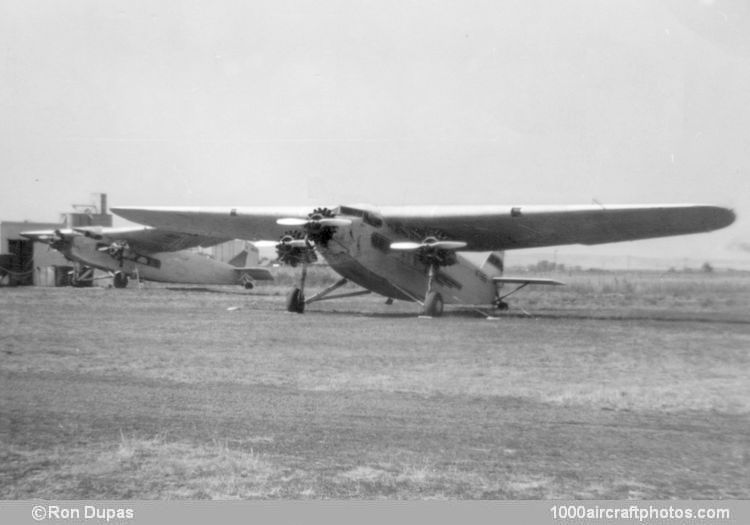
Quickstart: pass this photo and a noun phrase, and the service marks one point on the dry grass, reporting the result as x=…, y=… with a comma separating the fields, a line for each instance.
x=618, y=386
x=148, y=468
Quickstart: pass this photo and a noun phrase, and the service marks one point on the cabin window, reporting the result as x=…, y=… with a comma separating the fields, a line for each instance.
x=380, y=242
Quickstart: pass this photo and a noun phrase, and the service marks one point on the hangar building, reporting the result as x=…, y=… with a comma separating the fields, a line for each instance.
x=25, y=262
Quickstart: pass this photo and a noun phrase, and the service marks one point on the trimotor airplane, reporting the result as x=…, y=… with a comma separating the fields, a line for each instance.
x=422, y=253
x=149, y=254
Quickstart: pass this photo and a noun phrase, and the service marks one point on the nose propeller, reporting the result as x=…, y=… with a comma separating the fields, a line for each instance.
x=314, y=221
x=319, y=226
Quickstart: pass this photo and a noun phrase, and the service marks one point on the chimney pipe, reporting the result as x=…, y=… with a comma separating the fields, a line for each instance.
x=103, y=210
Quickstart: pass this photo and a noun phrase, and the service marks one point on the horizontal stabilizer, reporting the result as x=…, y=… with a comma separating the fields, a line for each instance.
x=524, y=280
x=257, y=274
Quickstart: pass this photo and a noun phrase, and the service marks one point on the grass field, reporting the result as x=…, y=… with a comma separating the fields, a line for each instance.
x=616, y=386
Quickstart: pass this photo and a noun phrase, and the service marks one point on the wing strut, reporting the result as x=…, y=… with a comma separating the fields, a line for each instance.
x=522, y=282
x=323, y=294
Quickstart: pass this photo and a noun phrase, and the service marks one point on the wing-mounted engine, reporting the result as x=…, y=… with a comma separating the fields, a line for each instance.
x=118, y=250
x=59, y=241
x=294, y=249
x=433, y=252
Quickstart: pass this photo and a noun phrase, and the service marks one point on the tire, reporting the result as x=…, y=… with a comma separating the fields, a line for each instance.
x=295, y=301
x=120, y=280
x=433, y=304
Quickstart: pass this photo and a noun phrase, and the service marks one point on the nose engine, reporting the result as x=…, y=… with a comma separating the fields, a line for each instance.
x=297, y=247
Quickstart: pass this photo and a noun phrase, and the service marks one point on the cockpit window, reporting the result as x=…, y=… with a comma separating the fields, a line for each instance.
x=346, y=210
x=372, y=220
x=368, y=217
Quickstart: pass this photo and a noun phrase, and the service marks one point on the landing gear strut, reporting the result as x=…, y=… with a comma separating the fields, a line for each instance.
x=295, y=301
x=433, y=305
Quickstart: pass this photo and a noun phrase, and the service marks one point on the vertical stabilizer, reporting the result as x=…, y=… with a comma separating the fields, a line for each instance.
x=494, y=264
x=239, y=260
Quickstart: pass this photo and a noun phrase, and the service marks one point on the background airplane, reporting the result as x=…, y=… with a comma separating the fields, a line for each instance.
x=428, y=254
x=149, y=254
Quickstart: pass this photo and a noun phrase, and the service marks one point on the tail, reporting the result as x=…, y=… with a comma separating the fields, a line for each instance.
x=239, y=260
x=494, y=264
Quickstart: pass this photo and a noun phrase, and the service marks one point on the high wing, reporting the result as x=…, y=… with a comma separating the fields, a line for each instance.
x=147, y=239
x=483, y=228
x=514, y=227
x=255, y=223
x=46, y=236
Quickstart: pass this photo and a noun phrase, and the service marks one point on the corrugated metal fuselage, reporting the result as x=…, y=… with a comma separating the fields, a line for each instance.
x=360, y=252
x=170, y=267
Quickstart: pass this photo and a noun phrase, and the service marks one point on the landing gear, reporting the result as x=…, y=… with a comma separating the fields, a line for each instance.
x=433, y=304
x=120, y=280
x=82, y=276
x=295, y=301
x=433, y=252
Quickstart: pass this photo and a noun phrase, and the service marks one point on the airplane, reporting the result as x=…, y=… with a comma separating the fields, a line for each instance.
x=428, y=254
x=149, y=254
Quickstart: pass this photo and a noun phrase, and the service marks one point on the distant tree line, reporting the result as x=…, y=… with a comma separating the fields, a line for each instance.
x=546, y=266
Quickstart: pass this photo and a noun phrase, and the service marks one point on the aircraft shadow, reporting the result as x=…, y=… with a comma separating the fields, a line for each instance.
x=199, y=289
x=669, y=317
x=572, y=315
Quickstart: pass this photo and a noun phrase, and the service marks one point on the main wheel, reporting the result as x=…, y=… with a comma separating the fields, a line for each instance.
x=433, y=304
x=295, y=301
x=120, y=280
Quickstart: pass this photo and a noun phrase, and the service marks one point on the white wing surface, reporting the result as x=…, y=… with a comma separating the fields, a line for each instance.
x=253, y=223
x=146, y=239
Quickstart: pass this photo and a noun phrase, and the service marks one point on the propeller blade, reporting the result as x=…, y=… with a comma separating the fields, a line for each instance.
x=291, y=221
x=447, y=245
x=297, y=243
x=439, y=245
x=406, y=245
x=333, y=221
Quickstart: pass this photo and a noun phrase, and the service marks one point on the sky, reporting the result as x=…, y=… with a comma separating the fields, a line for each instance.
x=320, y=102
